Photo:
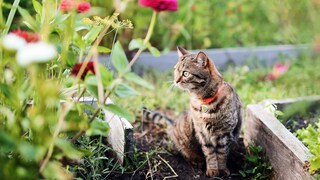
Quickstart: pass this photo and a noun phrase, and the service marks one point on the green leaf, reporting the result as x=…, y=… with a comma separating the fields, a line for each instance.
x=136, y=44
x=78, y=41
x=124, y=91
x=72, y=58
x=243, y=174
x=59, y=19
x=92, y=34
x=5, y=90
x=98, y=127
x=55, y=170
x=119, y=111
x=118, y=57
x=311, y=137
x=30, y=152
x=68, y=149
x=76, y=118
x=106, y=75
x=37, y=7
x=138, y=80
x=91, y=85
x=7, y=142
x=102, y=49
x=154, y=51
x=315, y=163
x=28, y=19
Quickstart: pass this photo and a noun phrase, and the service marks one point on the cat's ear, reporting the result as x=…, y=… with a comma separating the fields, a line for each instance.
x=181, y=51
x=202, y=59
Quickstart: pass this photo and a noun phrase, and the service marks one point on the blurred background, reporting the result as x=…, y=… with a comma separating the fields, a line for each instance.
x=202, y=24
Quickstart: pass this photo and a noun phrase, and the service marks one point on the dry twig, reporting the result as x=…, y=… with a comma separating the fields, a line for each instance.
x=172, y=170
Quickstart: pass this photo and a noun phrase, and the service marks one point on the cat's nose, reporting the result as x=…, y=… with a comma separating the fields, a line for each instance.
x=177, y=80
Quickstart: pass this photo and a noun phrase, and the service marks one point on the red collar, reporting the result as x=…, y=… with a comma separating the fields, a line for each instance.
x=212, y=98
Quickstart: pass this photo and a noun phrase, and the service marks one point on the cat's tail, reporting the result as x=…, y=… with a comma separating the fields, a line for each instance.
x=156, y=117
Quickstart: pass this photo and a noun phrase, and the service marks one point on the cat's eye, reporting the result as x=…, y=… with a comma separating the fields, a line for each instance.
x=185, y=73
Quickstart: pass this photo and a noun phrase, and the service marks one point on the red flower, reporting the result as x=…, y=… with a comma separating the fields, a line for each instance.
x=83, y=7
x=67, y=5
x=28, y=36
x=278, y=70
x=160, y=5
x=76, y=68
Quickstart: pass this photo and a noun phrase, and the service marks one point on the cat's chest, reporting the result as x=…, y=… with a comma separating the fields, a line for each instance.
x=211, y=118
x=210, y=112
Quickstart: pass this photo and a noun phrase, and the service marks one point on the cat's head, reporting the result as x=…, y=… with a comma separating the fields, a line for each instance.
x=194, y=71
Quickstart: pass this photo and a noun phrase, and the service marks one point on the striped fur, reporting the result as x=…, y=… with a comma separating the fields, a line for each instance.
x=156, y=117
x=205, y=133
x=212, y=127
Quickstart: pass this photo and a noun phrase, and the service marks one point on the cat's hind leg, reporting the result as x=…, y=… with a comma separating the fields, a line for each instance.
x=183, y=136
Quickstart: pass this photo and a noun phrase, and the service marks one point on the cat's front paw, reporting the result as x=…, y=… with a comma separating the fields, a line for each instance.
x=212, y=172
x=224, y=172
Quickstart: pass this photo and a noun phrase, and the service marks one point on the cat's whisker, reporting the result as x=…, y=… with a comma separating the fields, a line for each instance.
x=169, y=82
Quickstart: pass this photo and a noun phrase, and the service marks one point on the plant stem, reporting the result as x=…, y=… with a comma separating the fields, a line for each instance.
x=146, y=40
x=1, y=24
x=9, y=21
x=151, y=27
x=67, y=38
x=66, y=107
x=98, y=75
x=134, y=59
x=11, y=16
x=48, y=11
x=91, y=52
x=82, y=131
x=1, y=14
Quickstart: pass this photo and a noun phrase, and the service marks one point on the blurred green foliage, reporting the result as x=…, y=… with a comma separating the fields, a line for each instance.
x=213, y=24
x=202, y=24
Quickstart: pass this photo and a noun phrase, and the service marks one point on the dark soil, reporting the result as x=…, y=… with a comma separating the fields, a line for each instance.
x=297, y=122
x=300, y=115
x=163, y=163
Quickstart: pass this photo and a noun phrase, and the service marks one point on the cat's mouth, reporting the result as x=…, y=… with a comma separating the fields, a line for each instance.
x=184, y=86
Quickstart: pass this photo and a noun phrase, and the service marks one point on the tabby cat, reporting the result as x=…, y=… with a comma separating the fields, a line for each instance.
x=207, y=131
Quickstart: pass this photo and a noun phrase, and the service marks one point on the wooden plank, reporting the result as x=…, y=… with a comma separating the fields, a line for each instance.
x=116, y=135
x=285, y=152
x=120, y=135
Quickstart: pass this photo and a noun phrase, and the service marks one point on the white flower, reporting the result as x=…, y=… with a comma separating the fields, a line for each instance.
x=13, y=42
x=36, y=52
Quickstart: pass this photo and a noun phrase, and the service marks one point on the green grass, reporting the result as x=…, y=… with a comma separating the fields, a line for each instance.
x=255, y=165
x=302, y=79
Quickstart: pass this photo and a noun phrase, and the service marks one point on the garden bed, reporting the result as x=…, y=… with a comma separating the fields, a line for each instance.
x=162, y=162
x=288, y=156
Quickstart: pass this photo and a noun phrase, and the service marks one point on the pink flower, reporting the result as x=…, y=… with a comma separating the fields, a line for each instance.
x=278, y=70
x=28, y=36
x=83, y=7
x=67, y=5
x=160, y=5
x=76, y=68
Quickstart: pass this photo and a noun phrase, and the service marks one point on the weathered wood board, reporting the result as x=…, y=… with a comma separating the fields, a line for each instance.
x=287, y=155
x=120, y=135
